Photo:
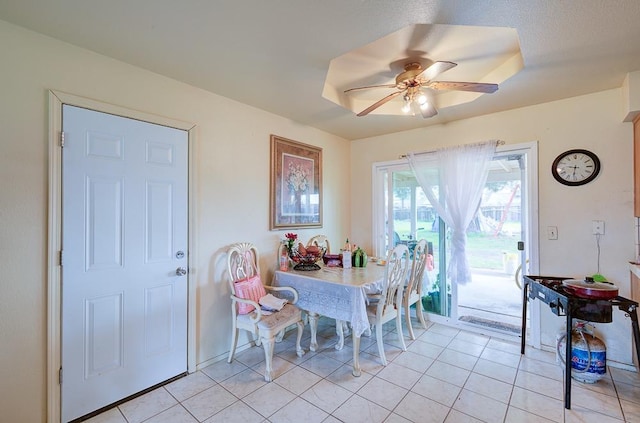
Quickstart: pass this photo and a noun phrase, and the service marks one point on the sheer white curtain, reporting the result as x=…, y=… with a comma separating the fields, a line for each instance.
x=453, y=180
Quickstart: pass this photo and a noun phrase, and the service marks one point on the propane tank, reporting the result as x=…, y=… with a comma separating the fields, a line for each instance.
x=588, y=354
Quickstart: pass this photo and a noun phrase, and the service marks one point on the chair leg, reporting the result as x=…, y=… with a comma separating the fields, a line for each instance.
x=345, y=328
x=367, y=331
x=420, y=313
x=383, y=357
x=299, y=350
x=399, y=330
x=268, y=345
x=407, y=317
x=234, y=342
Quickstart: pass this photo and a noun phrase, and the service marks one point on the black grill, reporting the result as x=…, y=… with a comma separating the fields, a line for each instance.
x=562, y=302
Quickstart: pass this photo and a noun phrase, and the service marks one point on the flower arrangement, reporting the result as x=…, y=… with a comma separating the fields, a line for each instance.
x=290, y=239
x=297, y=178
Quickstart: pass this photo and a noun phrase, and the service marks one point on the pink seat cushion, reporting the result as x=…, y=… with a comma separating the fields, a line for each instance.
x=250, y=288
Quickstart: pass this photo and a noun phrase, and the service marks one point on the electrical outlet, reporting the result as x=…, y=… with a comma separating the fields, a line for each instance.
x=598, y=227
x=552, y=232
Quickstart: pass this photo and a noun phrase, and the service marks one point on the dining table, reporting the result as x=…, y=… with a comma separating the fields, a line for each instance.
x=338, y=293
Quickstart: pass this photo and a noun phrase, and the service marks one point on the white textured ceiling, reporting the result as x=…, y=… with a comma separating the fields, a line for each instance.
x=481, y=54
x=274, y=55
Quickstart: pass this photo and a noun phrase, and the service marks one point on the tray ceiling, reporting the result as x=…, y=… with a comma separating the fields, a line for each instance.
x=276, y=55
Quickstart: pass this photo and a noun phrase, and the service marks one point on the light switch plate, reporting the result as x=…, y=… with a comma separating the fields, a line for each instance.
x=552, y=232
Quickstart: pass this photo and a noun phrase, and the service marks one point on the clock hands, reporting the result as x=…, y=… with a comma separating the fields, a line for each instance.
x=572, y=175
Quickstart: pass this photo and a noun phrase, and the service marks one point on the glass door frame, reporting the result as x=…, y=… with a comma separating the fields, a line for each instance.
x=381, y=230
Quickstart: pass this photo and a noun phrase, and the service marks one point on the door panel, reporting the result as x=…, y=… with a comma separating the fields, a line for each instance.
x=104, y=210
x=104, y=330
x=159, y=312
x=158, y=232
x=124, y=218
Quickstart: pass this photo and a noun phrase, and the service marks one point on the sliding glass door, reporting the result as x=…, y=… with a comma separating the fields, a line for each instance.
x=492, y=298
x=503, y=223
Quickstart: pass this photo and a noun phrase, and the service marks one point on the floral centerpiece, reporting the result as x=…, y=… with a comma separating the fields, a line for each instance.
x=290, y=241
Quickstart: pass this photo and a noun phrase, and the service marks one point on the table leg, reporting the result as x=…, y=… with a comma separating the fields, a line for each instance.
x=356, y=355
x=340, y=333
x=631, y=310
x=523, y=334
x=313, y=325
x=567, y=362
x=633, y=315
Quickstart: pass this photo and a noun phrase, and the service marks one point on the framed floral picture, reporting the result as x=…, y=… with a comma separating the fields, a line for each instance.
x=296, y=185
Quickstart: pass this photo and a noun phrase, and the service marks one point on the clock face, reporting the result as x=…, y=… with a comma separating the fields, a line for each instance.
x=575, y=167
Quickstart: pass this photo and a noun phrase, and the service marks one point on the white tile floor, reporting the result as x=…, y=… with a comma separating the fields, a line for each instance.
x=446, y=375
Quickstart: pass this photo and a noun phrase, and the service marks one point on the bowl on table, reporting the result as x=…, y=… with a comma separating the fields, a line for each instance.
x=306, y=259
x=332, y=260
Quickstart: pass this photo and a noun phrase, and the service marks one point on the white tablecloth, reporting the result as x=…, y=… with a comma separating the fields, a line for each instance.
x=335, y=292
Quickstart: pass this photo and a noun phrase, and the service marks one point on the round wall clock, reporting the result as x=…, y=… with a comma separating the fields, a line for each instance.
x=575, y=167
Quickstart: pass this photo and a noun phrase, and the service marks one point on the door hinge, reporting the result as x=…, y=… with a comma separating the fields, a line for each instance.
x=60, y=258
x=60, y=376
x=61, y=138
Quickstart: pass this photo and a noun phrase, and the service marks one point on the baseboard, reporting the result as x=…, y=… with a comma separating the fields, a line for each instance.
x=222, y=356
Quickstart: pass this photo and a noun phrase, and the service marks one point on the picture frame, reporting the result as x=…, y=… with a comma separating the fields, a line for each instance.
x=295, y=185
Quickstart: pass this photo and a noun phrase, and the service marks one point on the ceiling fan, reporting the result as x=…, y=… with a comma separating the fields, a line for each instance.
x=411, y=83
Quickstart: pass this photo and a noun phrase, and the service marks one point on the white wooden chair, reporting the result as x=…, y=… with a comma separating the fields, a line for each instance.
x=242, y=261
x=413, y=290
x=389, y=301
x=320, y=241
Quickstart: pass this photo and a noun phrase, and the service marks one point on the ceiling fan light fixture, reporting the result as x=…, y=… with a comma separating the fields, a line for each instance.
x=410, y=84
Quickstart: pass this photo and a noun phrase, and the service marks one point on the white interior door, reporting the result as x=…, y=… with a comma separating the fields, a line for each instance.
x=124, y=241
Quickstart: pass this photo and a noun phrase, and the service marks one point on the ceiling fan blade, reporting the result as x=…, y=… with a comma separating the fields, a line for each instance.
x=379, y=103
x=463, y=86
x=370, y=86
x=436, y=69
x=428, y=110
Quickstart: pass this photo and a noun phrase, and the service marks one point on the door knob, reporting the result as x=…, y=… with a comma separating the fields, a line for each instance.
x=181, y=271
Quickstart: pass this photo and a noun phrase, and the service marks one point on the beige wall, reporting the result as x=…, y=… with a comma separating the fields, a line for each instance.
x=232, y=196
x=593, y=122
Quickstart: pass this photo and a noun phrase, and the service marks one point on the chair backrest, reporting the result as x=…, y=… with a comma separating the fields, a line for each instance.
x=320, y=241
x=242, y=261
x=395, y=275
x=418, y=265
